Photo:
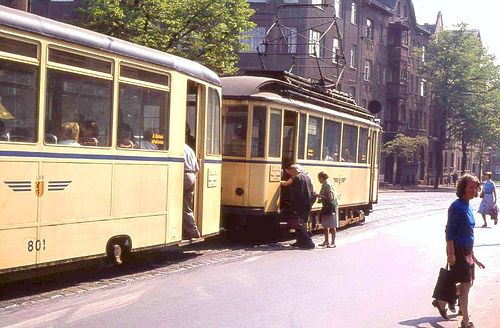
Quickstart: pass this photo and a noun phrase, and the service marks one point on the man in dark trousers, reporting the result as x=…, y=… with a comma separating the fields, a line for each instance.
x=301, y=198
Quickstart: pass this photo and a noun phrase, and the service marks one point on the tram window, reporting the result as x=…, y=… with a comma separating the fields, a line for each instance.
x=363, y=146
x=331, y=141
x=213, y=123
x=18, y=47
x=302, y=136
x=258, y=132
x=143, y=75
x=69, y=58
x=275, y=133
x=235, y=131
x=142, y=118
x=86, y=101
x=18, y=102
x=314, y=131
x=349, y=143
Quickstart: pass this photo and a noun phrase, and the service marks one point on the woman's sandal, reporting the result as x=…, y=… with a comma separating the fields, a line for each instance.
x=324, y=244
x=466, y=325
x=442, y=311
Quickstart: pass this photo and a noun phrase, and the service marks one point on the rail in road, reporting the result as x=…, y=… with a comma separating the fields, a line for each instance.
x=393, y=207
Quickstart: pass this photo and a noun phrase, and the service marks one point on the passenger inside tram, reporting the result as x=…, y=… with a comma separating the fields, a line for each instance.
x=70, y=133
x=145, y=142
x=89, y=134
x=3, y=132
x=125, y=136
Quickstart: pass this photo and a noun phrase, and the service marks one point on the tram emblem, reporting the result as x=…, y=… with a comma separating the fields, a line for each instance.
x=39, y=188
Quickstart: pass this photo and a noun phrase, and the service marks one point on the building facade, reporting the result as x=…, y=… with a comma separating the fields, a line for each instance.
x=374, y=50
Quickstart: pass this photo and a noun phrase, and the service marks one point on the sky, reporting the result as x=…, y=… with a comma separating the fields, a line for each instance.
x=478, y=14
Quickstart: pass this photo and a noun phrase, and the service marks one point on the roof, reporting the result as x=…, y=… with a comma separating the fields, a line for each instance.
x=292, y=92
x=21, y=20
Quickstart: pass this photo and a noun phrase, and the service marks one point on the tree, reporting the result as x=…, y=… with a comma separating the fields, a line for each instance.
x=403, y=147
x=207, y=31
x=464, y=81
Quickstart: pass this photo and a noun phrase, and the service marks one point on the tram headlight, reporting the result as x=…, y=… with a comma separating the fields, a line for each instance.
x=239, y=191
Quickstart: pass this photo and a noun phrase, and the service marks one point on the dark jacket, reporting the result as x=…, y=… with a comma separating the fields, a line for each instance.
x=302, y=194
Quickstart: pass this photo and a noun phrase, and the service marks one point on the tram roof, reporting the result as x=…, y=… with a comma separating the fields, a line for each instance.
x=18, y=19
x=239, y=87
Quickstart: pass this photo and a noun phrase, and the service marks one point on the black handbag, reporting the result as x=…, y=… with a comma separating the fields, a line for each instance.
x=445, y=289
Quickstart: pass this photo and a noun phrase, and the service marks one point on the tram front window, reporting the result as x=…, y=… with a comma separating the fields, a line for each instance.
x=235, y=131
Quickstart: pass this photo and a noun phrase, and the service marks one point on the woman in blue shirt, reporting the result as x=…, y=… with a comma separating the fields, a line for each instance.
x=459, y=245
x=489, y=199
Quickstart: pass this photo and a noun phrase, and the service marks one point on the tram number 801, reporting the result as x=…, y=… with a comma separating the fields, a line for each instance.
x=36, y=245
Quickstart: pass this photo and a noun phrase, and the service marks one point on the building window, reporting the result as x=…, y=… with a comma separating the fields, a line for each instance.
x=422, y=88
x=354, y=13
x=422, y=54
x=368, y=70
x=253, y=38
x=338, y=8
x=404, y=71
x=382, y=34
x=290, y=35
x=314, y=43
x=380, y=74
x=352, y=90
x=405, y=40
x=336, y=50
x=370, y=29
x=352, y=59
x=319, y=3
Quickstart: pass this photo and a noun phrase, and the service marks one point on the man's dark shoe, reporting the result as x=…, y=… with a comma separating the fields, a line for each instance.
x=451, y=307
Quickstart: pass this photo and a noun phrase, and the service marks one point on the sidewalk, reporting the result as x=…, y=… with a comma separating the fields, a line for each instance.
x=415, y=188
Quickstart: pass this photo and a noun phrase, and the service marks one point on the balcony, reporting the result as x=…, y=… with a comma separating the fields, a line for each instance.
x=398, y=53
x=397, y=91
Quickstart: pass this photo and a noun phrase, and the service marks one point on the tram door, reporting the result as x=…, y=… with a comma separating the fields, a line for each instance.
x=289, y=139
x=374, y=166
x=194, y=97
x=288, y=155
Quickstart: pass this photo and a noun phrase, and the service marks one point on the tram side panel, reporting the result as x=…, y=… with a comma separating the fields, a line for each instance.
x=18, y=205
x=263, y=186
x=101, y=201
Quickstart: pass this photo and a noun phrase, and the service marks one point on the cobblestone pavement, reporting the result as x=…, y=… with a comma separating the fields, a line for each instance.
x=20, y=295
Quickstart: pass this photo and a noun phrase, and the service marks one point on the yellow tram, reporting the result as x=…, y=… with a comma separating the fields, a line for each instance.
x=271, y=121
x=117, y=187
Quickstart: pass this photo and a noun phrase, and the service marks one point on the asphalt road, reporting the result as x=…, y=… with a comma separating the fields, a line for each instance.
x=380, y=275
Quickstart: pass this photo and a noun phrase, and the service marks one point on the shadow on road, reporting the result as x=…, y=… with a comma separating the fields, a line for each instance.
x=433, y=321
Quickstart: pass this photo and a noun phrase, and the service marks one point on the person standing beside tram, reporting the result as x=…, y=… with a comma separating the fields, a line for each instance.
x=328, y=212
x=459, y=246
x=191, y=168
x=301, y=198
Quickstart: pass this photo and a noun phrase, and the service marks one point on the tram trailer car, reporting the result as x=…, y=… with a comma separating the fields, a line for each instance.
x=117, y=187
x=275, y=120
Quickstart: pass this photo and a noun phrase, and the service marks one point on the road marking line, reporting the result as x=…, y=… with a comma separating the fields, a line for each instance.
x=39, y=320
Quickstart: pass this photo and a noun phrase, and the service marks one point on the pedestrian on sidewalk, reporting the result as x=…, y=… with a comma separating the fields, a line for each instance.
x=489, y=200
x=301, y=198
x=329, y=212
x=459, y=245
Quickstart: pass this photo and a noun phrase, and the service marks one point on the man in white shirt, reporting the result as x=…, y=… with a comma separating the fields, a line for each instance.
x=191, y=168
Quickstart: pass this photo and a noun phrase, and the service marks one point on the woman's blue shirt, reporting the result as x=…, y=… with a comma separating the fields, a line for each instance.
x=460, y=226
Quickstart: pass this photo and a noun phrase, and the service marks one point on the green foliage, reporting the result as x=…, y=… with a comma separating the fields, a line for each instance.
x=207, y=31
x=464, y=80
x=403, y=146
